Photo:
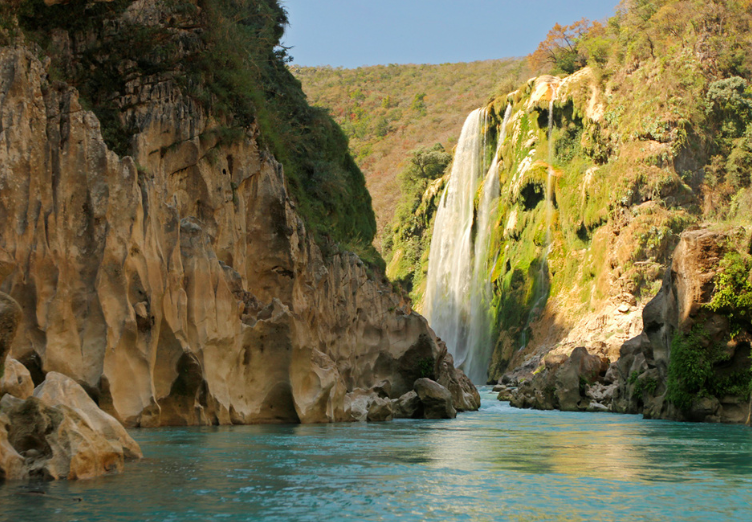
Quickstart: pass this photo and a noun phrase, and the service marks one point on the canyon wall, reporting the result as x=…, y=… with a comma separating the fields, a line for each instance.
x=178, y=285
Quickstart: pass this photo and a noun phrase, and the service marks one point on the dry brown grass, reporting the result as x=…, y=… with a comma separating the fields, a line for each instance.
x=377, y=108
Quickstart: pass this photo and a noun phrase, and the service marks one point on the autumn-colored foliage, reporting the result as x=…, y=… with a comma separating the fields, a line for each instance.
x=560, y=48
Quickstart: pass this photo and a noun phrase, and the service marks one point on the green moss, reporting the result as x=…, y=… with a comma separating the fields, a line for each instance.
x=426, y=367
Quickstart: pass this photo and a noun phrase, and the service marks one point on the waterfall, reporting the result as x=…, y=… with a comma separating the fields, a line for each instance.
x=480, y=342
x=447, y=306
x=458, y=292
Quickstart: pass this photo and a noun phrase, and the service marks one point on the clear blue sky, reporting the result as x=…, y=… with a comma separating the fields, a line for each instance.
x=352, y=33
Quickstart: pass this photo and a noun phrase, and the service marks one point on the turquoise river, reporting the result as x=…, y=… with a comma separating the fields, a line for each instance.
x=495, y=464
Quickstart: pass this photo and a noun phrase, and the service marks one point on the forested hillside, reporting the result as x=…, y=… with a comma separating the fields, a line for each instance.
x=389, y=111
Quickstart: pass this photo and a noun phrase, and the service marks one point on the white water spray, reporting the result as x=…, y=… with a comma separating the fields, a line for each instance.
x=458, y=292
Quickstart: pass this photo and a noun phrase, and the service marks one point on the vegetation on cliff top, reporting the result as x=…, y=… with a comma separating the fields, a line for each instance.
x=226, y=55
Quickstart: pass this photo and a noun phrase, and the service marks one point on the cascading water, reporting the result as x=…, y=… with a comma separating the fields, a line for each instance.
x=480, y=343
x=449, y=277
x=458, y=292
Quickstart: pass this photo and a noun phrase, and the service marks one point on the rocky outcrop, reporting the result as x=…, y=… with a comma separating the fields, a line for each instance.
x=465, y=396
x=562, y=382
x=435, y=400
x=59, y=390
x=179, y=286
x=16, y=381
x=60, y=433
x=679, y=308
x=638, y=381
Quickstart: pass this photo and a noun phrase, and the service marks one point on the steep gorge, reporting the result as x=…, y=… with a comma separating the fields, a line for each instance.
x=180, y=284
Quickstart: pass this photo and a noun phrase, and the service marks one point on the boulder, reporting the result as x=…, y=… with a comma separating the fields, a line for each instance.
x=435, y=400
x=505, y=394
x=16, y=381
x=54, y=442
x=465, y=396
x=380, y=410
x=407, y=406
x=704, y=409
x=568, y=387
x=357, y=403
x=60, y=433
x=588, y=366
x=595, y=406
x=58, y=390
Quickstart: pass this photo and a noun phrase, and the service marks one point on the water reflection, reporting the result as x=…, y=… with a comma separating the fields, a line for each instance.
x=498, y=463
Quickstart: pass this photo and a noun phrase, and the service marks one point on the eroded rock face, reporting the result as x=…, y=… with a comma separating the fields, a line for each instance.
x=179, y=286
x=60, y=433
x=679, y=306
x=10, y=316
x=16, y=381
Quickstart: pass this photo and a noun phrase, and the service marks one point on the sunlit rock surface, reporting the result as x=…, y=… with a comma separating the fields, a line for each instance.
x=179, y=286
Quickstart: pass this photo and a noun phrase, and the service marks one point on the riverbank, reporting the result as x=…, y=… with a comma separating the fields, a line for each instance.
x=499, y=462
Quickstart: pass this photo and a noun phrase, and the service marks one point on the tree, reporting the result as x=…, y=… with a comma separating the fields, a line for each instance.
x=418, y=104
x=559, y=50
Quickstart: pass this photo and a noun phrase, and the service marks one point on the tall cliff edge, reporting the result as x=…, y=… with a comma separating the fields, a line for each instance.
x=178, y=285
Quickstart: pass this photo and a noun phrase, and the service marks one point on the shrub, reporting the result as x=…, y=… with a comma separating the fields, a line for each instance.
x=733, y=291
x=690, y=367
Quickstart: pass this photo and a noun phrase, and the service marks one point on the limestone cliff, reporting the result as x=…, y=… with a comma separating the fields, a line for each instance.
x=179, y=285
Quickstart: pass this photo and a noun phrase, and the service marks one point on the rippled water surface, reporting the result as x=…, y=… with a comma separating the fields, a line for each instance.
x=495, y=464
